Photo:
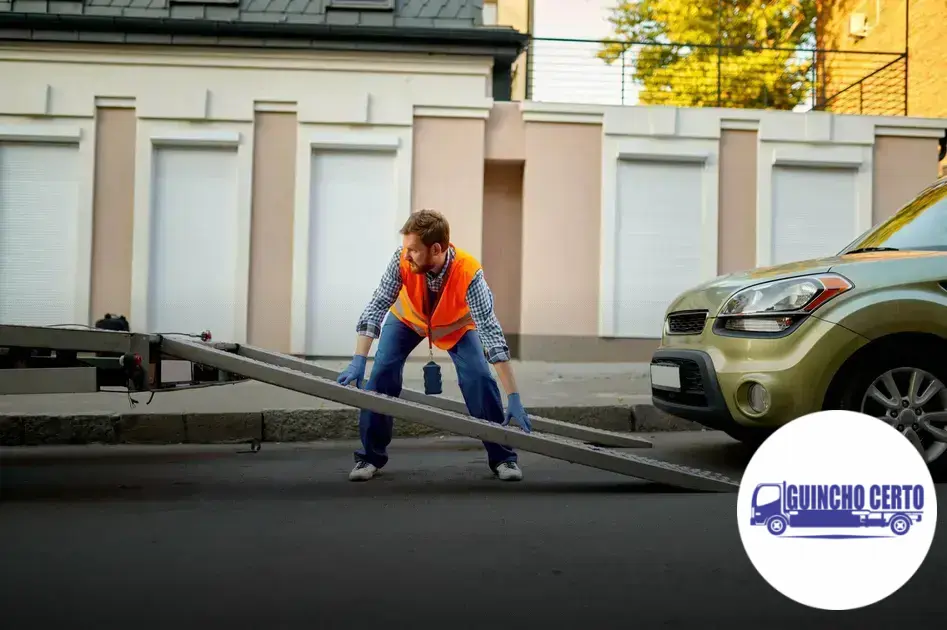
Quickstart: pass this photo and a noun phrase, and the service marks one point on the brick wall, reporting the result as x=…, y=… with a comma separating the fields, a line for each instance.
x=927, y=60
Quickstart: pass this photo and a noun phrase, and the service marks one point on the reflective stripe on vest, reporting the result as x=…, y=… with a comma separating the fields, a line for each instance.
x=403, y=310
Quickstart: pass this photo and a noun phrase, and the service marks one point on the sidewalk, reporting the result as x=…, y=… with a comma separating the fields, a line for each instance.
x=613, y=396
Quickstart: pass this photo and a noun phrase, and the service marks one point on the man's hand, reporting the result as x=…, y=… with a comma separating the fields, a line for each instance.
x=354, y=372
x=515, y=411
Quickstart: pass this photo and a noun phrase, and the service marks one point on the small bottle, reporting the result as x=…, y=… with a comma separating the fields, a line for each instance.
x=432, y=378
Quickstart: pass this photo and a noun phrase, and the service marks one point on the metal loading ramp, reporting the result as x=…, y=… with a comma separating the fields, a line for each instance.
x=597, y=437
x=289, y=373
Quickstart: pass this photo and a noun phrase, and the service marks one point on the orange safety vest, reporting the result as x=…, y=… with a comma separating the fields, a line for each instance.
x=451, y=318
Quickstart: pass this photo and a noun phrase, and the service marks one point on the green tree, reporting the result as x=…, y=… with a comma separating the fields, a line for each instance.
x=673, y=49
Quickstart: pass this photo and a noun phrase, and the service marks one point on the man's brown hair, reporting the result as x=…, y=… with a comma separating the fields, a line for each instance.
x=430, y=226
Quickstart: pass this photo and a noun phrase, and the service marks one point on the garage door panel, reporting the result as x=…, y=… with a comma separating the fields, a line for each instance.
x=352, y=235
x=39, y=209
x=658, y=242
x=194, y=241
x=814, y=212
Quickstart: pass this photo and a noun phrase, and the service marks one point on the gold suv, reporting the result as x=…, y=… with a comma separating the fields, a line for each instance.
x=864, y=330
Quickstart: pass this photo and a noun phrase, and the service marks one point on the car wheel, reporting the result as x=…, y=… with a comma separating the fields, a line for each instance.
x=907, y=391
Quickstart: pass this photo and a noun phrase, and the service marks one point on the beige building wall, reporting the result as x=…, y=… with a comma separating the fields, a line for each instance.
x=562, y=191
x=551, y=236
x=113, y=212
x=529, y=187
x=447, y=175
x=737, y=231
x=503, y=240
x=907, y=165
x=525, y=197
x=271, y=257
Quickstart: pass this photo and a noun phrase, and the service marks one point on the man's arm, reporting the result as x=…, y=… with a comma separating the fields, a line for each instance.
x=369, y=324
x=480, y=302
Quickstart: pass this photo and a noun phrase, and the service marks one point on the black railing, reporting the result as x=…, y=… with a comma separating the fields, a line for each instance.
x=687, y=75
x=880, y=92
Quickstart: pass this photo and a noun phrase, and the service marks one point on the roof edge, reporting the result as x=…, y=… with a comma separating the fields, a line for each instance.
x=502, y=44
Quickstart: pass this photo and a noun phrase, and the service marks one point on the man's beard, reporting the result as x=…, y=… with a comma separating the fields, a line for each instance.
x=420, y=270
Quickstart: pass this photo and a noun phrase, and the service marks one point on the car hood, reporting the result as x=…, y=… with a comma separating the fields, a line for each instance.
x=921, y=265
x=712, y=295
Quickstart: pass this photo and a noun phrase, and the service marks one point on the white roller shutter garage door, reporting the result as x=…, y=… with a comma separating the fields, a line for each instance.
x=352, y=235
x=658, y=242
x=813, y=212
x=192, y=267
x=39, y=207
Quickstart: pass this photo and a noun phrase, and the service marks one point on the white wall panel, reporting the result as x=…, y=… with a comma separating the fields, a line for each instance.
x=39, y=231
x=814, y=212
x=353, y=193
x=217, y=212
x=812, y=199
x=352, y=208
x=658, y=242
x=659, y=197
x=194, y=241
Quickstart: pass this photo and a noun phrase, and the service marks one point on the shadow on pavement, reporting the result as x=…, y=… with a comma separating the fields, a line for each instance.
x=319, y=472
x=391, y=485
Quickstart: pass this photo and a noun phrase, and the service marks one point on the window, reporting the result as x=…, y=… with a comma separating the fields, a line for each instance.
x=767, y=495
x=920, y=225
x=226, y=3
x=489, y=14
x=362, y=4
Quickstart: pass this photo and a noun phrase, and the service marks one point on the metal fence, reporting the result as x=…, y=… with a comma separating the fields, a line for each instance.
x=879, y=91
x=687, y=75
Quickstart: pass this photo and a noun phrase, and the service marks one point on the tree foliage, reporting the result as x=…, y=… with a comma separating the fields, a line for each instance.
x=673, y=49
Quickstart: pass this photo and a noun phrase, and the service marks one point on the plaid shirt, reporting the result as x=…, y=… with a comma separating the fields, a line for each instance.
x=479, y=301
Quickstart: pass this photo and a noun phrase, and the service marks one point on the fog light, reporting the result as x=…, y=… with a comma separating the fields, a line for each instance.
x=758, y=398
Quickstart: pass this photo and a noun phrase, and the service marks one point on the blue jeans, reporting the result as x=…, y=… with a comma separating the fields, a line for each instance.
x=479, y=389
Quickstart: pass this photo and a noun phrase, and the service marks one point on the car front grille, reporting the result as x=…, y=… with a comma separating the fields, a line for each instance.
x=692, y=384
x=686, y=322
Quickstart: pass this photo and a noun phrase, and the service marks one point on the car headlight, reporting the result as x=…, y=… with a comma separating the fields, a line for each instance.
x=775, y=306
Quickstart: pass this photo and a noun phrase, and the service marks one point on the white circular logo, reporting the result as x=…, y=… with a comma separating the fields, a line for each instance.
x=837, y=510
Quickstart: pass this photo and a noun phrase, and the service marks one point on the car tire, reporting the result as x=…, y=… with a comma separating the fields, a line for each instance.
x=857, y=384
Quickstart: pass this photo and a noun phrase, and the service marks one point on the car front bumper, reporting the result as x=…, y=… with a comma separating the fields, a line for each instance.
x=716, y=372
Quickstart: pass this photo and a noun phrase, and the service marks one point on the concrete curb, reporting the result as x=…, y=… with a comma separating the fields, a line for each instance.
x=280, y=425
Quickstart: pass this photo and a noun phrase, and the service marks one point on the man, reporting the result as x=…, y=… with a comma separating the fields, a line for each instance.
x=427, y=270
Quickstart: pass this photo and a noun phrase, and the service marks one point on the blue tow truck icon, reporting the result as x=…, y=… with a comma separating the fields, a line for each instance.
x=779, y=506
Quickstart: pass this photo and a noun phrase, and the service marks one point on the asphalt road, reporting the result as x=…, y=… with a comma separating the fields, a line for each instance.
x=139, y=537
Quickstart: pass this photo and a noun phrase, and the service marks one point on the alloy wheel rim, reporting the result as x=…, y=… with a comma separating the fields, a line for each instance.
x=914, y=402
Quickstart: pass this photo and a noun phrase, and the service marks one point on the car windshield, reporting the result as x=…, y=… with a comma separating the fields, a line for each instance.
x=920, y=225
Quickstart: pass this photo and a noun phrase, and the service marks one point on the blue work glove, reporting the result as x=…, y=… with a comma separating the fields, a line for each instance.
x=354, y=372
x=515, y=410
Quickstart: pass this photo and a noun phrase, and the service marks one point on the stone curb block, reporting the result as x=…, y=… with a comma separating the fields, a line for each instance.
x=280, y=425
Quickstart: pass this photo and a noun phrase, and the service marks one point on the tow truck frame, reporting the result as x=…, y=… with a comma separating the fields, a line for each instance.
x=43, y=360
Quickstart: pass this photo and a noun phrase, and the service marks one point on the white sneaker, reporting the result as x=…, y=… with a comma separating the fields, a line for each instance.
x=509, y=471
x=363, y=471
